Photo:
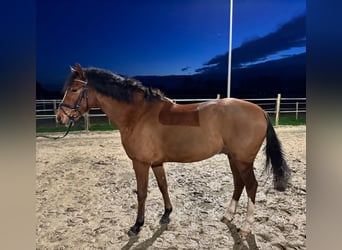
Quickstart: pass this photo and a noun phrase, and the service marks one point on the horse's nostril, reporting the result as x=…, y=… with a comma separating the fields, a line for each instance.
x=58, y=118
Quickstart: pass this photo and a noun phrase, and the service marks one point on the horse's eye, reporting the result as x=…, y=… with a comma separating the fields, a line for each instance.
x=73, y=90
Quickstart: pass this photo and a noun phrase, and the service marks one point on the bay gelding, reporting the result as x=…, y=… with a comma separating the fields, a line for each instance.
x=155, y=130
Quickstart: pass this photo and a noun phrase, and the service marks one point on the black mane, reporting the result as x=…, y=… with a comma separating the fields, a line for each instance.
x=113, y=85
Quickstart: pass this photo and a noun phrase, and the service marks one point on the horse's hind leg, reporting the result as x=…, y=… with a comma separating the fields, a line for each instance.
x=248, y=177
x=159, y=173
x=238, y=188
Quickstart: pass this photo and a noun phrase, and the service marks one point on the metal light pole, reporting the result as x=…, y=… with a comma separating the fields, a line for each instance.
x=230, y=48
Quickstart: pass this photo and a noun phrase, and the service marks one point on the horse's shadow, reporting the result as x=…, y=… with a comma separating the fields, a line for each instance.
x=247, y=243
x=147, y=243
x=240, y=243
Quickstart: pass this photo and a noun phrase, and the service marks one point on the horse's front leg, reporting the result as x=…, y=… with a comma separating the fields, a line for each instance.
x=141, y=174
x=159, y=173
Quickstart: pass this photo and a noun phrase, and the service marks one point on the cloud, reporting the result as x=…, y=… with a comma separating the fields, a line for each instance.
x=290, y=35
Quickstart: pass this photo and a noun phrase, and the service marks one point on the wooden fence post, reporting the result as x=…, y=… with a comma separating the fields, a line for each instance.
x=54, y=109
x=86, y=122
x=297, y=111
x=277, y=110
x=218, y=96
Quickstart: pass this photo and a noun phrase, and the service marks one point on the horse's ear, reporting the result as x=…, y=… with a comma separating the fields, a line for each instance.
x=72, y=69
x=79, y=70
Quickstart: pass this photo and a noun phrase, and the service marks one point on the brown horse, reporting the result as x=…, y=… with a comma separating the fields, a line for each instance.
x=155, y=130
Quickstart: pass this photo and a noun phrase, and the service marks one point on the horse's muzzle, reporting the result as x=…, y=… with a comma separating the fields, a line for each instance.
x=58, y=119
x=64, y=120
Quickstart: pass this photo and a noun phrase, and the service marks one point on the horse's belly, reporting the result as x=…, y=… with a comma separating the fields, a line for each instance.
x=191, y=146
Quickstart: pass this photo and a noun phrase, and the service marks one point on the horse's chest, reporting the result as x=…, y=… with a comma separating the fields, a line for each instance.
x=140, y=146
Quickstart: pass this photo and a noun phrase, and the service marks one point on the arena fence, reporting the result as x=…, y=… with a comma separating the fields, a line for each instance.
x=46, y=109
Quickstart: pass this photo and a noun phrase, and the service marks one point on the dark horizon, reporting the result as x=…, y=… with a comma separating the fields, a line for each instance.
x=286, y=75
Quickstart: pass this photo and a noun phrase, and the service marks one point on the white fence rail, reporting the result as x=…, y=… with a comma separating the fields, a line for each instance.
x=46, y=109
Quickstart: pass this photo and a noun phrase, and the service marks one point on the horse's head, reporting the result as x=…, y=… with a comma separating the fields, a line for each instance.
x=75, y=100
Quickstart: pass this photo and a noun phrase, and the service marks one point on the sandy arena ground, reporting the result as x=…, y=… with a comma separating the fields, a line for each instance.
x=86, y=199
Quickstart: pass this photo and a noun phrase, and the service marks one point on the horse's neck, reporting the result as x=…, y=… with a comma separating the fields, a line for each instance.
x=123, y=115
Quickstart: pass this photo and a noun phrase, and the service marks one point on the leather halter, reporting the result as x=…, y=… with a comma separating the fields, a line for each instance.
x=75, y=107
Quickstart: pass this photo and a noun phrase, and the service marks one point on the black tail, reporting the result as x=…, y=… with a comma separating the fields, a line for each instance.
x=281, y=172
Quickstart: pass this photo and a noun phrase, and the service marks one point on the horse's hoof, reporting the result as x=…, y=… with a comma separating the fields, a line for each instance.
x=133, y=232
x=164, y=221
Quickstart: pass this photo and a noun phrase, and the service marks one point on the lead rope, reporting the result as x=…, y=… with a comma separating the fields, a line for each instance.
x=56, y=137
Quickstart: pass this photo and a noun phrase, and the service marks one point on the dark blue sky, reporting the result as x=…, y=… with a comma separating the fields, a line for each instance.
x=153, y=37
